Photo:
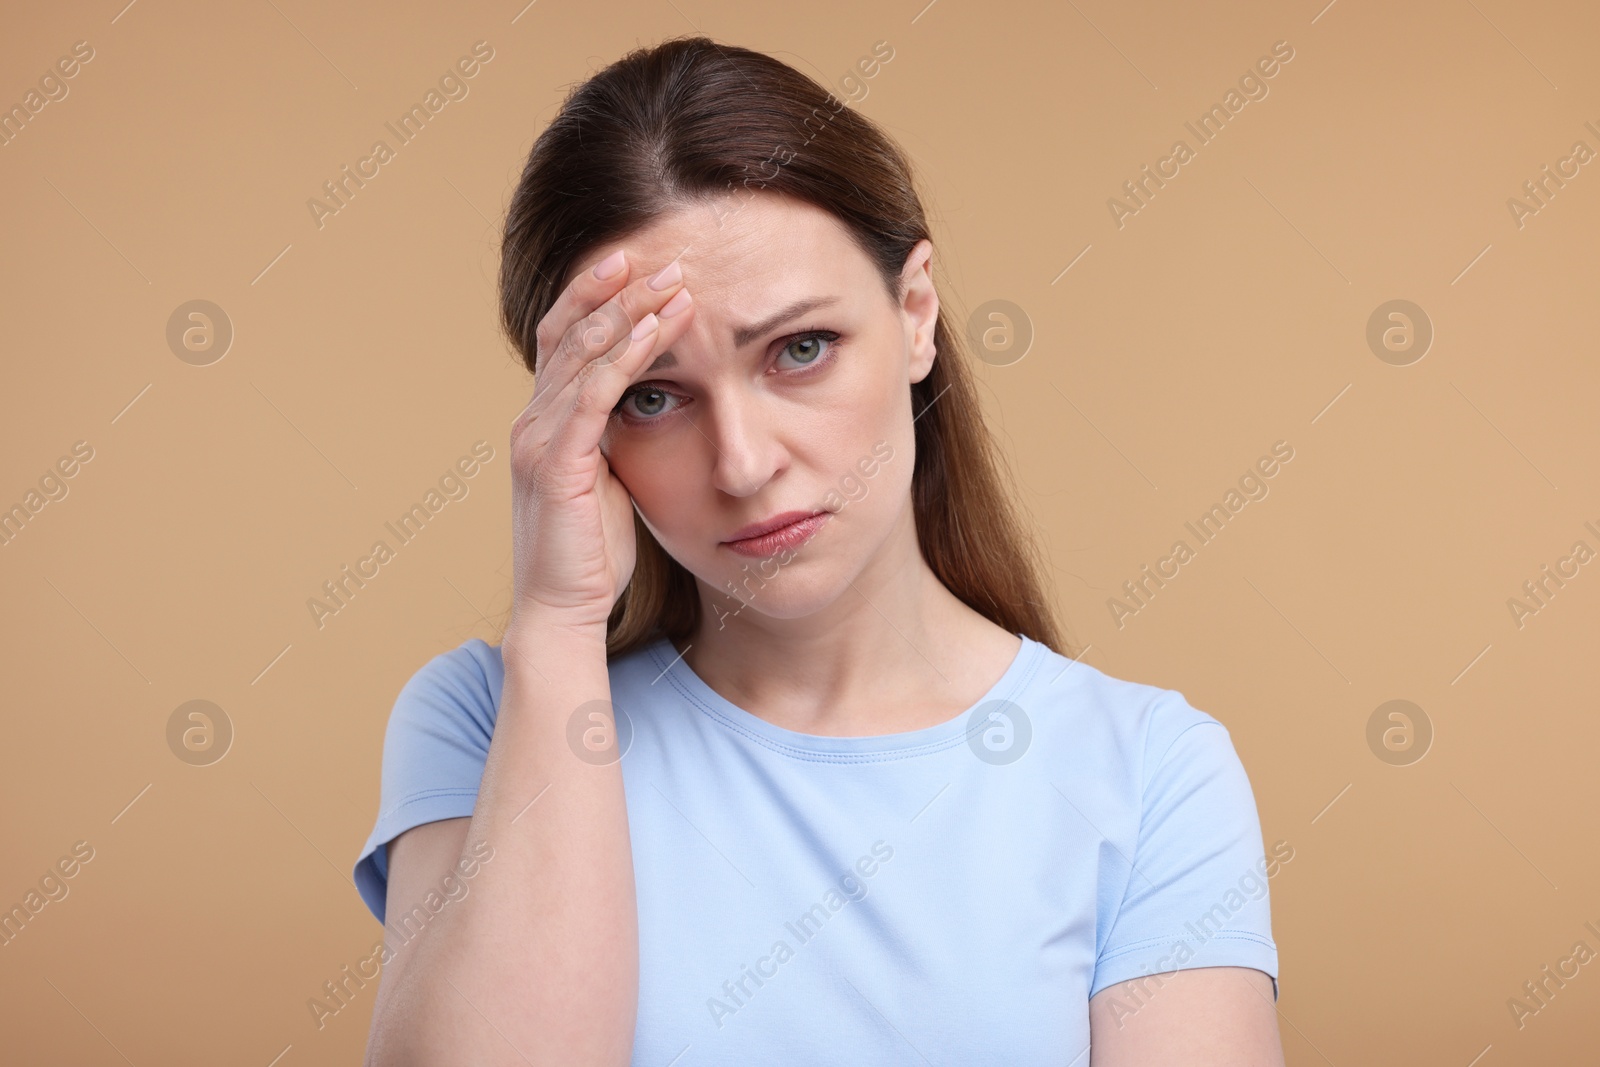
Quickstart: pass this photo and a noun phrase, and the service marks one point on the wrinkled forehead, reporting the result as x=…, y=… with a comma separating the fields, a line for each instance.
x=744, y=253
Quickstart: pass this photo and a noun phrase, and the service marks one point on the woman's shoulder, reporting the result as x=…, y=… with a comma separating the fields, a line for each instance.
x=1141, y=721
x=473, y=664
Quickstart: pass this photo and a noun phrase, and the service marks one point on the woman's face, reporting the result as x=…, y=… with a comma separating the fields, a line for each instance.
x=789, y=392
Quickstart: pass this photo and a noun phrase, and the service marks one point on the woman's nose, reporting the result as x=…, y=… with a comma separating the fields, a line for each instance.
x=749, y=452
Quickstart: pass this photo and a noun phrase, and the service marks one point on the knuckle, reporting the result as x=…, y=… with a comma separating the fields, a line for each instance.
x=636, y=304
x=543, y=336
x=584, y=400
x=605, y=327
x=589, y=337
x=592, y=333
x=526, y=454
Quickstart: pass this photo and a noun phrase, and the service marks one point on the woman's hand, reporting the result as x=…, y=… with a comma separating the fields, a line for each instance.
x=573, y=544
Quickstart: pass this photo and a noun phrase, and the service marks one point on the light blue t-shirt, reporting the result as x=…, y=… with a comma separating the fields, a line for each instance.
x=950, y=895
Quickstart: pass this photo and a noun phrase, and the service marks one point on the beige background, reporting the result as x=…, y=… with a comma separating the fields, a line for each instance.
x=1229, y=313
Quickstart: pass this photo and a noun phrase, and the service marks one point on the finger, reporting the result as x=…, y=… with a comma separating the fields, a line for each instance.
x=581, y=296
x=596, y=335
x=579, y=299
x=580, y=412
x=564, y=426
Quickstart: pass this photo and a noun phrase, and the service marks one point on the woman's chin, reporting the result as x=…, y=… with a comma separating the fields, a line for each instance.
x=789, y=594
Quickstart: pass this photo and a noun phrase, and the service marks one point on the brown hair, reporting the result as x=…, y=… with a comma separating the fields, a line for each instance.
x=683, y=123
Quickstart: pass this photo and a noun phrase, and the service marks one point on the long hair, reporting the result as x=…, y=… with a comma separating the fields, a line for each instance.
x=692, y=120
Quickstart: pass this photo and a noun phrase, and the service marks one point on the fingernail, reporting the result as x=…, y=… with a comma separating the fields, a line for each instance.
x=679, y=301
x=666, y=276
x=645, y=326
x=609, y=266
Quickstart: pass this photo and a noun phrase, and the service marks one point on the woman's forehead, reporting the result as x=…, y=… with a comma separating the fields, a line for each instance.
x=738, y=243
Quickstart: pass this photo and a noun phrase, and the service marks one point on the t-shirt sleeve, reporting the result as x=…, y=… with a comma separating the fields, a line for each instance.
x=434, y=751
x=1197, y=895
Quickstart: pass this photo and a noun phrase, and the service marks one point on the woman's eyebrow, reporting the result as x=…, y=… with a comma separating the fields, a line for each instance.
x=743, y=335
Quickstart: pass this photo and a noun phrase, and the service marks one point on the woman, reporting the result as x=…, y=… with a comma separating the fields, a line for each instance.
x=778, y=760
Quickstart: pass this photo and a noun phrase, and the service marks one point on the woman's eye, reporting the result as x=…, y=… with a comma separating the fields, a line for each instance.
x=808, y=349
x=648, y=402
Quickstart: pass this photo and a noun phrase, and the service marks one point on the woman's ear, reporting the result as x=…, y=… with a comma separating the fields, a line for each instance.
x=919, y=307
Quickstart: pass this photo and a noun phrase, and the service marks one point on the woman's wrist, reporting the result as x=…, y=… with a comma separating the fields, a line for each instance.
x=534, y=637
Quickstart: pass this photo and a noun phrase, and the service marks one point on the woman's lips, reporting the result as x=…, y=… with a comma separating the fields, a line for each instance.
x=774, y=541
